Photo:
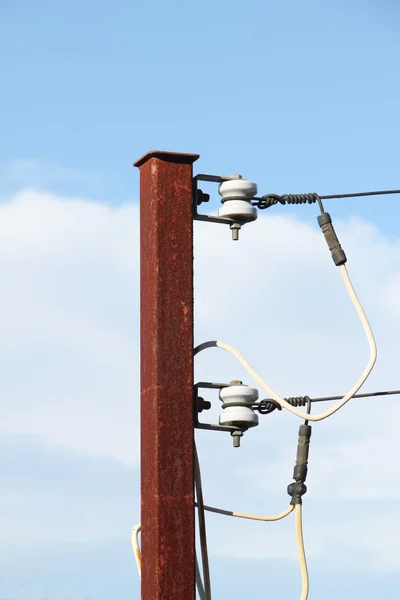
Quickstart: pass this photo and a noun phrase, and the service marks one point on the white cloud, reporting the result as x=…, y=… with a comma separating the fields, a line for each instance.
x=69, y=317
x=69, y=322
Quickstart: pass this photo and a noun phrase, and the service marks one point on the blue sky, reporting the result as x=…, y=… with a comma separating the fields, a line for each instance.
x=296, y=96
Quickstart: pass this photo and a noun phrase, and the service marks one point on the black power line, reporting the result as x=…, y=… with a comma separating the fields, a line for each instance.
x=272, y=199
x=357, y=194
x=268, y=405
x=367, y=395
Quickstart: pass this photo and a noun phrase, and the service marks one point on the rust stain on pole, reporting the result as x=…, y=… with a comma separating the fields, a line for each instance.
x=166, y=246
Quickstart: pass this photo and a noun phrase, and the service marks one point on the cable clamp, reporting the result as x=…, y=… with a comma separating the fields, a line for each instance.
x=337, y=252
x=296, y=490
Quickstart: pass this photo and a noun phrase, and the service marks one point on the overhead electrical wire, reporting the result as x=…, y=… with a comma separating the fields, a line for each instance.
x=268, y=405
x=366, y=395
x=268, y=200
x=359, y=194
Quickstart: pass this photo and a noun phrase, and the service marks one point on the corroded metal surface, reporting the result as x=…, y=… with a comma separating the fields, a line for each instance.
x=166, y=241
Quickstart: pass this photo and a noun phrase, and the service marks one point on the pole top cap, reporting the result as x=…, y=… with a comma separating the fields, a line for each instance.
x=175, y=157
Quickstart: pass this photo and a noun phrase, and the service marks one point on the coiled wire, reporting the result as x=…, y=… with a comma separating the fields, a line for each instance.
x=271, y=199
x=265, y=407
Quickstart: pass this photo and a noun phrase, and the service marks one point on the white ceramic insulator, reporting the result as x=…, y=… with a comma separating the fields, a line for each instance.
x=236, y=196
x=237, y=189
x=237, y=404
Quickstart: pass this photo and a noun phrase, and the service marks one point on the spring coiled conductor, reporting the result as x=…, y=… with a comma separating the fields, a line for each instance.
x=265, y=407
x=272, y=199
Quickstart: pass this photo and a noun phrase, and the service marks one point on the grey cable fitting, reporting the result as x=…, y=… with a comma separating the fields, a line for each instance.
x=338, y=254
x=297, y=489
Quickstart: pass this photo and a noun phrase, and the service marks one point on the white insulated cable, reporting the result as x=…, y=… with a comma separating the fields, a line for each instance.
x=299, y=538
x=136, y=549
x=229, y=513
x=282, y=401
x=302, y=553
x=199, y=582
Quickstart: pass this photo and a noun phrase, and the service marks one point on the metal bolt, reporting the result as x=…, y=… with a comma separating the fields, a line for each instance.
x=202, y=197
x=202, y=404
x=236, y=435
x=236, y=382
x=235, y=231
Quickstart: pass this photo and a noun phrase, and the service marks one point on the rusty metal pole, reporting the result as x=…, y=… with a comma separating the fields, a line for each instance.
x=166, y=279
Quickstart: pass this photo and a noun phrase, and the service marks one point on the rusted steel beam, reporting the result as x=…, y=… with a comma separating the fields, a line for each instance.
x=166, y=279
